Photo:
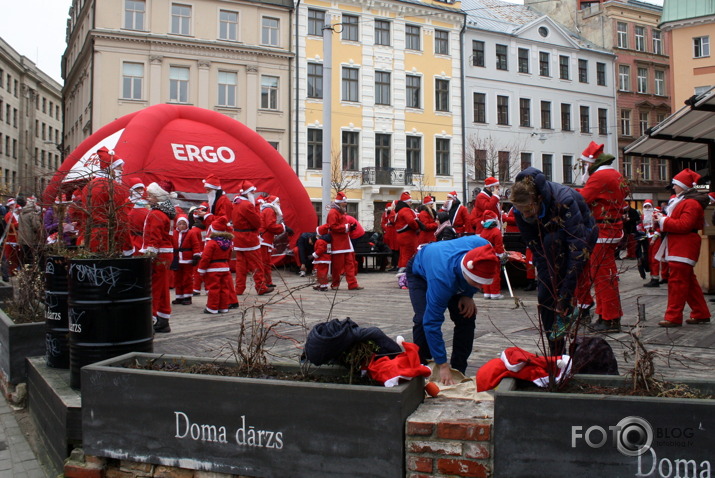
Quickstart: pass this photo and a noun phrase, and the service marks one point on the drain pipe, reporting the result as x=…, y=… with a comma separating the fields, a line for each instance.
x=464, y=117
x=297, y=95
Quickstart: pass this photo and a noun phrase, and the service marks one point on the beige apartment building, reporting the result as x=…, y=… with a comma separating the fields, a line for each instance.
x=30, y=125
x=230, y=56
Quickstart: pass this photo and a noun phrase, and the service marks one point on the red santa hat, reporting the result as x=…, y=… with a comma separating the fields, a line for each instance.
x=428, y=200
x=246, y=188
x=592, y=152
x=220, y=224
x=341, y=197
x=480, y=264
x=686, y=179
x=518, y=363
x=204, y=205
x=405, y=365
x=491, y=181
x=182, y=218
x=488, y=215
x=648, y=202
x=135, y=183
x=157, y=192
x=406, y=197
x=107, y=159
x=452, y=195
x=10, y=202
x=212, y=182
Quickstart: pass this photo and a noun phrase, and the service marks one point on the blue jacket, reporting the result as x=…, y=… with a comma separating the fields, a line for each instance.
x=440, y=264
x=563, y=237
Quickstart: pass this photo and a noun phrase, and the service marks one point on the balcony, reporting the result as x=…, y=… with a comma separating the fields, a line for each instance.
x=387, y=176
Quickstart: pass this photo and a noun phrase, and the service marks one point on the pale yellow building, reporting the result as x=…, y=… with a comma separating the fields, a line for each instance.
x=231, y=56
x=396, y=101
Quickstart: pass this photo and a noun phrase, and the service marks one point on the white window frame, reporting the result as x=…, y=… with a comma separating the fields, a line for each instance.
x=626, y=122
x=640, y=37
x=413, y=37
x=183, y=21
x=227, y=89
x=269, y=92
x=413, y=97
x=227, y=29
x=657, y=37
x=642, y=80
x=132, y=81
x=179, y=78
x=701, y=46
x=622, y=34
x=441, y=42
x=659, y=81
x=349, y=86
x=134, y=14
x=624, y=78
x=270, y=31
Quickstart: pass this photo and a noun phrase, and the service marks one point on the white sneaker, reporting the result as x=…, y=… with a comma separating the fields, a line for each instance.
x=497, y=296
x=487, y=296
x=301, y=273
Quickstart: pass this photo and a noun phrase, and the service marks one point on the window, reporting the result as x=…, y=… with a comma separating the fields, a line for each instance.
x=525, y=160
x=382, y=150
x=441, y=94
x=524, y=112
x=564, y=73
x=657, y=42
x=414, y=91
x=642, y=80
x=624, y=77
x=180, y=19
x=351, y=158
x=645, y=169
x=442, y=156
x=567, y=162
x=350, y=84
x=622, y=33
x=502, y=63
x=547, y=165
x=269, y=92
x=546, y=115
x=414, y=154
x=626, y=122
x=413, y=37
x=134, y=11
x=701, y=47
x=228, y=25
x=503, y=110
x=659, y=118
x=480, y=164
x=640, y=38
x=523, y=60
x=565, y=117
x=663, y=170
x=480, y=108
x=315, y=80
x=503, y=161
x=659, y=82
x=132, y=80
x=441, y=42
x=269, y=31
x=601, y=74
x=382, y=88
x=227, y=83
x=602, y=121
x=44, y=105
x=477, y=53
x=627, y=167
x=643, y=122
x=544, y=64
x=316, y=22
x=315, y=148
x=350, y=27
x=178, y=84
x=585, y=119
x=583, y=71
x=382, y=32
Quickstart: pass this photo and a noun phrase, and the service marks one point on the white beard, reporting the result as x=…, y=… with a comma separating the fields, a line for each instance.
x=135, y=196
x=252, y=198
x=584, y=175
x=211, y=198
x=447, y=205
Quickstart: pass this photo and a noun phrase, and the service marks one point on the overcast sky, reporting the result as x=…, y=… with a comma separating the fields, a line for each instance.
x=36, y=29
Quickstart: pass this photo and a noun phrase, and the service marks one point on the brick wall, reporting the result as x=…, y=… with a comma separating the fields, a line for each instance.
x=450, y=437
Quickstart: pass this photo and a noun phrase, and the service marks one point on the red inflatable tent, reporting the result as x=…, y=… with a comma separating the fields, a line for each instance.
x=184, y=144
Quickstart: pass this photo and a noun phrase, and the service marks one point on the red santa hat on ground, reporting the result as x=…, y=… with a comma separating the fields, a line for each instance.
x=491, y=181
x=648, y=202
x=480, y=264
x=246, y=188
x=452, y=195
x=157, y=192
x=592, y=152
x=220, y=224
x=428, y=200
x=341, y=197
x=488, y=215
x=518, y=363
x=107, y=159
x=405, y=365
x=135, y=183
x=406, y=197
x=686, y=179
x=182, y=218
x=212, y=182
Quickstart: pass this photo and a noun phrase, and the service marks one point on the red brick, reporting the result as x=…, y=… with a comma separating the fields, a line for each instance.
x=117, y=473
x=172, y=472
x=436, y=447
x=476, y=451
x=467, y=468
x=127, y=465
x=419, y=428
x=415, y=475
x=96, y=461
x=420, y=463
x=77, y=470
x=463, y=430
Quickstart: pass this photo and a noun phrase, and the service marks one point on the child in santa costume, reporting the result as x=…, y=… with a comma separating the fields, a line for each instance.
x=187, y=247
x=486, y=200
x=321, y=261
x=214, y=267
x=492, y=233
x=407, y=228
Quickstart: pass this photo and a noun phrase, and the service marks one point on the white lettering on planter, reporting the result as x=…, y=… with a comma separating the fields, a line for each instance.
x=52, y=315
x=249, y=436
x=246, y=435
x=74, y=320
x=209, y=154
x=675, y=468
x=208, y=433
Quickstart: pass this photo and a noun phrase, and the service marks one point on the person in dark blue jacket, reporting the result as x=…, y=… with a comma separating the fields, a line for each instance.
x=445, y=275
x=556, y=224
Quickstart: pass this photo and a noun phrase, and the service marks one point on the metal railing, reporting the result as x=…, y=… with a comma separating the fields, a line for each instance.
x=387, y=176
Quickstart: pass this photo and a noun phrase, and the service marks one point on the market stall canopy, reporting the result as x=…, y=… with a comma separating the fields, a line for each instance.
x=688, y=134
x=184, y=144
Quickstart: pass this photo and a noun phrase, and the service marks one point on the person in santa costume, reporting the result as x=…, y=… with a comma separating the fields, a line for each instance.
x=491, y=231
x=389, y=236
x=407, y=228
x=510, y=222
x=159, y=245
x=445, y=275
x=196, y=221
x=246, y=240
x=214, y=267
x=458, y=215
x=605, y=194
x=428, y=218
x=652, y=231
x=681, y=249
x=11, y=249
x=138, y=212
x=187, y=250
x=558, y=227
x=341, y=261
x=486, y=200
x=321, y=261
x=218, y=203
x=271, y=226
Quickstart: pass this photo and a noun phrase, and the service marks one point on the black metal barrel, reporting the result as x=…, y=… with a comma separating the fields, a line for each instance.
x=109, y=310
x=57, y=335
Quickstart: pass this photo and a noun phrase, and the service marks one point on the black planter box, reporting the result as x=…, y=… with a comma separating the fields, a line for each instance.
x=17, y=342
x=244, y=426
x=541, y=434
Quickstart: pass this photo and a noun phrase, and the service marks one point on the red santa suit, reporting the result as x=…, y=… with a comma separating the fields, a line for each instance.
x=11, y=248
x=201, y=232
x=321, y=261
x=407, y=229
x=427, y=217
x=486, y=200
x=246, y=242
x=518, y=363
x=218, y=203
x=387, y=222
x=158, y=240
x=605, y=193
x=214, y=267
x=188, y=246
x=493, y=234
x=271, y=226
x=681, y=249
x=458, y=215
x=341, y=259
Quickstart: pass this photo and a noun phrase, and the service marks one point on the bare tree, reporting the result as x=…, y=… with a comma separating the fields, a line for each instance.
x=490, y=156
x=422, y=186
x=341, y=179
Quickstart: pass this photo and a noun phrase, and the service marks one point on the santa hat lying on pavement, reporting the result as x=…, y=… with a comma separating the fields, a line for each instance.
x=518, y=363
x=405, y=365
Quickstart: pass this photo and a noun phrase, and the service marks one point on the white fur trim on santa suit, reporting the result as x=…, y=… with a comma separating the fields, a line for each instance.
x=510, y=366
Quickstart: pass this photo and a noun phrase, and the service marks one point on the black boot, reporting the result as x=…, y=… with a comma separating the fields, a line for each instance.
x=161, y=326
x=606, y=326
x=653, y=283
x=531, y=285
